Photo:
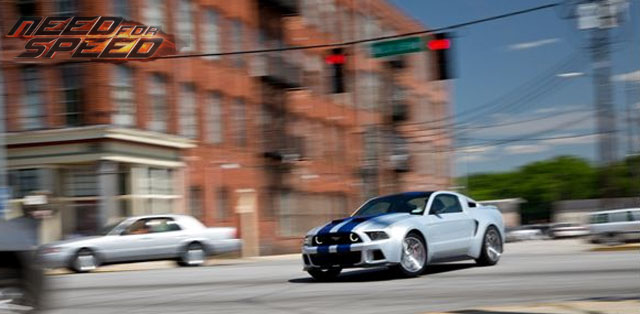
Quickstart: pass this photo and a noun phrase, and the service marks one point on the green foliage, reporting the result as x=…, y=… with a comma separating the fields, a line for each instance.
x=561, y=178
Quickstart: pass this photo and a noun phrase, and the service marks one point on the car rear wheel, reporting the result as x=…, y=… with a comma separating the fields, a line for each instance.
x=491, y=248
x=327, y=274
x=193, y=255
x=84, y=261
x=414, y=256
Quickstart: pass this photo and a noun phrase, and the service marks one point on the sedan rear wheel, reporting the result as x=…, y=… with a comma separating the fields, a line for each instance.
x=194, y=255
x=414, y=256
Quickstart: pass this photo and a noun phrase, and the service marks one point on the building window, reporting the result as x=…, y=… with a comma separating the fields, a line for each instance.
x=81, y=182
x=122, y=96
x=211, y=33
x=239, y=123
x=187, y=109
x=27, y=7
x=24, y=181
x=71, y=94
x=32, y=110
x=222, y=206
x=186, y=36
x=237, y=44
x=122, y=8
x=66, y=7
x=160, y=182
x=195, y=201
x=154, y=13
x=214, y=118
x=158, y=103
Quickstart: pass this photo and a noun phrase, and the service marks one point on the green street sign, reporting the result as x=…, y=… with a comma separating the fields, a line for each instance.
x=397, y=47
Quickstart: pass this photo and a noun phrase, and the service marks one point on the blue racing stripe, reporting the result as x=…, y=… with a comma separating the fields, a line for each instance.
x=323, y=249
x=342, y=248
x=349, y=226
x=327, y=229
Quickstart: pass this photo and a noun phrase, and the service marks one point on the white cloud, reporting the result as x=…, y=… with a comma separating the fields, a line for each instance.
x=475, y=153
x=533, y=44
x=525, y=149
x=570, y=74
x=471, y=158
x=633, y=76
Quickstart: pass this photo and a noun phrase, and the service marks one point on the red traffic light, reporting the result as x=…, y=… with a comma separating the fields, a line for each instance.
x=335, y=59
x=439, y=44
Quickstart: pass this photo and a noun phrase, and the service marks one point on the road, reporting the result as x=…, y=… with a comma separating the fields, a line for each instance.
x=540, y=271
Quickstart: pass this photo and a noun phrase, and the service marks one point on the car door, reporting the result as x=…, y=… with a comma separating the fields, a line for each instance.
x=135, y=243
x=167, y=237
x=450, y=227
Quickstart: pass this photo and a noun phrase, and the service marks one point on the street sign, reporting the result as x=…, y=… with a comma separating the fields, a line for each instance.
x=396, y=47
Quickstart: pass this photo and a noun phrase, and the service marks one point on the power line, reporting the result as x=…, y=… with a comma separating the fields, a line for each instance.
x=544, y=138
x=367, y=40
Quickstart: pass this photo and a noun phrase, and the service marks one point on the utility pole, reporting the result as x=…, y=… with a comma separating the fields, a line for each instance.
x=4, y=194
x=603, y=96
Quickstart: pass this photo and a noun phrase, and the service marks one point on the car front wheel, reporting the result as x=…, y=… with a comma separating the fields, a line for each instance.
x=414, y=256
x=84, y=261
x=491, y=248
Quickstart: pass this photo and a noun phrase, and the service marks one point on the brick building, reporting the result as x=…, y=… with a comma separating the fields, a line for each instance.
x=257, y=141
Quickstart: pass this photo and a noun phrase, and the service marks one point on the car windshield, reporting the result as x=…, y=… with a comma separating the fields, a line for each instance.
x=113, y=228
x=412, y=203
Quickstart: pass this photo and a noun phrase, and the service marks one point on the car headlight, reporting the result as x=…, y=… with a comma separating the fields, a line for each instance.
x=354, y=237
x=377, y=235
x=50, y=250
x=308, y=240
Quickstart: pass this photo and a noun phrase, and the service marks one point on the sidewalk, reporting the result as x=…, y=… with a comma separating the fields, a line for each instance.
x=214, y=261
x=570, y=307
x=622, y=247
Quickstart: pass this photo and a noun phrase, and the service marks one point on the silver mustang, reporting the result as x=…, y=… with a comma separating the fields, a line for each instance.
x=406, y=232
x=143, y=238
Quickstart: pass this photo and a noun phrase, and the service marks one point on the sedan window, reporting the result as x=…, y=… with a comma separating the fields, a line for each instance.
x=158, y=225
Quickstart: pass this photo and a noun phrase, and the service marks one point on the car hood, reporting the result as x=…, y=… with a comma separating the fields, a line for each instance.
x=74, y=241
x=362, y=223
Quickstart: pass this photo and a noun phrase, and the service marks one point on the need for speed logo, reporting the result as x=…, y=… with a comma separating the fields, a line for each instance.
x=97, y=38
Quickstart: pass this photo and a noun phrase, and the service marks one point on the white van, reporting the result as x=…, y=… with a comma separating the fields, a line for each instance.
x=615, y=226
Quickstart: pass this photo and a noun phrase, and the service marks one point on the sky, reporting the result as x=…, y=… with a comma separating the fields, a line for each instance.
x=521, y=69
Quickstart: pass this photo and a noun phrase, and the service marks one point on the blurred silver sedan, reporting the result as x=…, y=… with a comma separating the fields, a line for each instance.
x=143, y=238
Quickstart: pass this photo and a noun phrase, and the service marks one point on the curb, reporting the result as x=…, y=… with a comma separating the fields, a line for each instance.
x=570, y=307
x=624, y=247
x=221, y=260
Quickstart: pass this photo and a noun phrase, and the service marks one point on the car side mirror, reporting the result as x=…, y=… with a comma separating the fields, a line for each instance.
x=416, y=211
x=435, y=211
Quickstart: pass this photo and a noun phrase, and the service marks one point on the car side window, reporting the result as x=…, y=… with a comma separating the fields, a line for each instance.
x=445, y=204
x=138, y=227
x=158, y=225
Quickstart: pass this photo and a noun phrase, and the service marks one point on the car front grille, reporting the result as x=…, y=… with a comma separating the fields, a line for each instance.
x=333, y=259
x=334, y=238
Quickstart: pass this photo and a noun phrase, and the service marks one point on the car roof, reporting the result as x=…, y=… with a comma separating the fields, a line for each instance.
x=175, y=216
x=611, y=211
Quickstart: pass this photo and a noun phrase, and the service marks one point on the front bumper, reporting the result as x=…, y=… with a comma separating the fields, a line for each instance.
x=55, y=260
x=367, y=254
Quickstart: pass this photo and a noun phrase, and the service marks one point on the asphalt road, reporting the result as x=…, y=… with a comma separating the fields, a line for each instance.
x=541, y=271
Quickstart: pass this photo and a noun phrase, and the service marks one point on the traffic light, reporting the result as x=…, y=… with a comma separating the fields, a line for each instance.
x=440, y=44
x=336, y=60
